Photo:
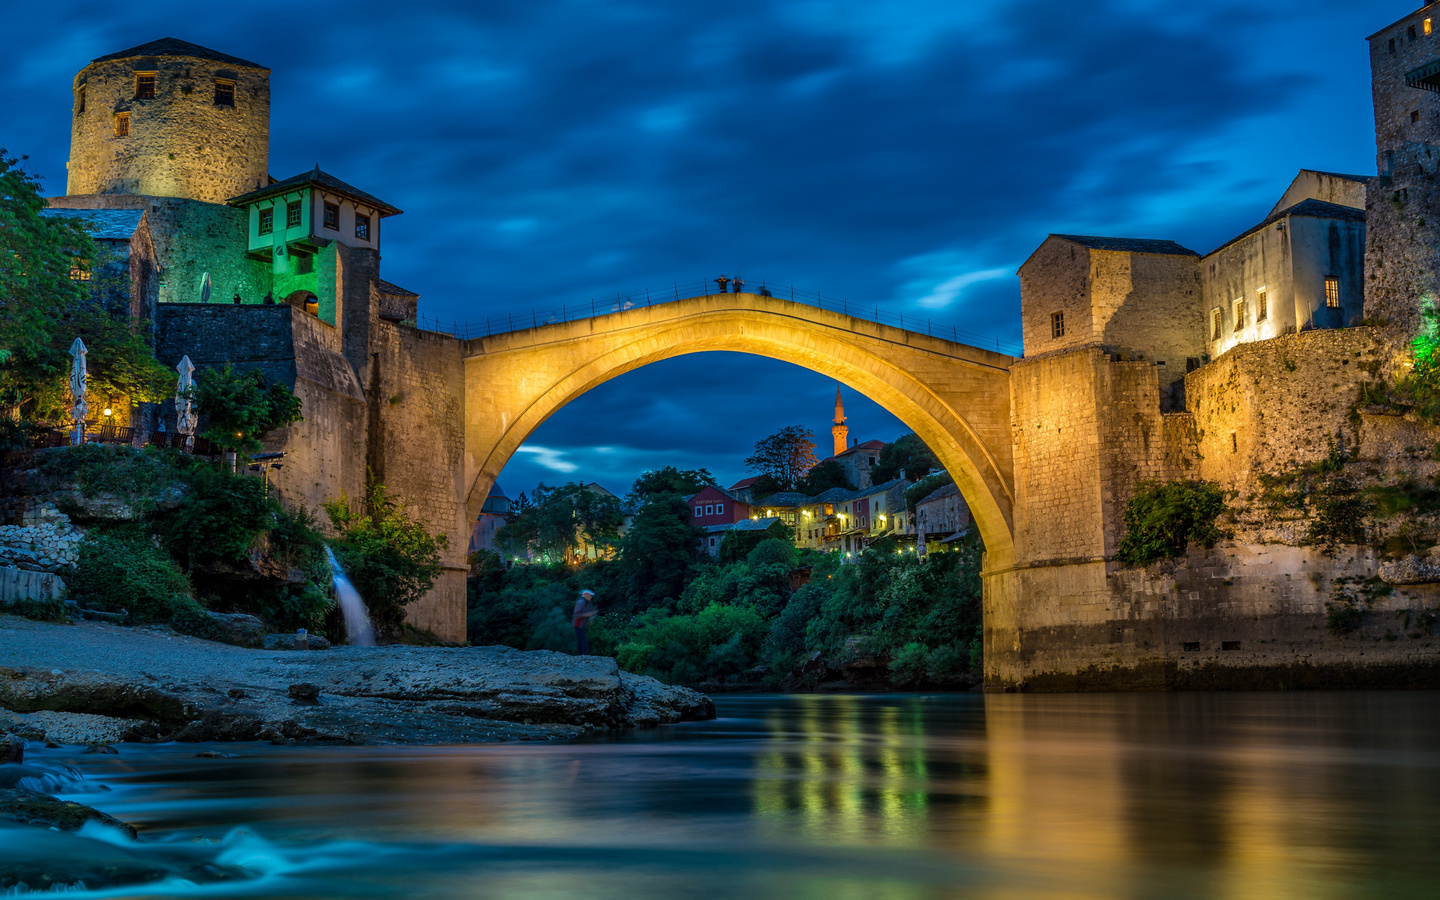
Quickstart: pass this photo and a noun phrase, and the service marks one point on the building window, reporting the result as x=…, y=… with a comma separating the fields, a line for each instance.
x=712, y=542
x=1411, y=31
x=1262, y=305
x=709, y=510
x=1332, y=293
x=267, y=221
x=1427, y=27
x=122, y=124
x=719, y=509
x=362, y=227
x=80, y=101
x=79, y=271
x=145, y=86
x=332, y=216
x=224, y=93
x=1392, y=45
x=1414, y=116
x=292, y=214
x=699, y=510
x=1057, y=325
x=1239, y=314
x=1215, y=324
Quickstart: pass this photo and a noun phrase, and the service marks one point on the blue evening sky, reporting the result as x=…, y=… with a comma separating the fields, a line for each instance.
x=908, y=154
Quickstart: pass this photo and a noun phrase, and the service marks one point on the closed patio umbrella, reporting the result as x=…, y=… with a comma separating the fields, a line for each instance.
x=78, y=379
x=185, y=419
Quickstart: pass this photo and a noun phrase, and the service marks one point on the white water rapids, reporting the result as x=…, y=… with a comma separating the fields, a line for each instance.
x=358, y=629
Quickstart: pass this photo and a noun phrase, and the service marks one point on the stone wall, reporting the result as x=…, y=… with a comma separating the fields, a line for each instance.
x=180, y=143
x=416, y=392
x=1056, y=279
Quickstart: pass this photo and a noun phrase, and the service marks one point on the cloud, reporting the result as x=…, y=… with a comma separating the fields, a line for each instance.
x=944, y=293
x=554, y=460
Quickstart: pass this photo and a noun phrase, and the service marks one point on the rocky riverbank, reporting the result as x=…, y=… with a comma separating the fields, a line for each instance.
x=95, y=683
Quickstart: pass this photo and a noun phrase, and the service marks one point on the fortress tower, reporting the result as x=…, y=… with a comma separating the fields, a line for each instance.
x=170, y=119
x=839, y=432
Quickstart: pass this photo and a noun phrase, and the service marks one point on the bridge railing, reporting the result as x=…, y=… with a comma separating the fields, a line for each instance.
x=603, y=306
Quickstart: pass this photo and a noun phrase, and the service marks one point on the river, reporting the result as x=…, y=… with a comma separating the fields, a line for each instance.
x=1313, y=795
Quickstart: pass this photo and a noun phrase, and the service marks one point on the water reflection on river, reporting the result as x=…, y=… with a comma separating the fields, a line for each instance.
x=1175, y=796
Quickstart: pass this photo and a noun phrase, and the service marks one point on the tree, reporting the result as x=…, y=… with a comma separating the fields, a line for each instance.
x=785, y=456
x=907, y=456
x=43, y=309
x=669, y=480
x=562, y=521
x=658, y=550
x=391, y=559
x=824, y=476
x=240, y=408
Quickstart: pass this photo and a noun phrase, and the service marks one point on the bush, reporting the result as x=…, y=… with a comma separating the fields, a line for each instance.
x=126, y=572
x=911, y=664
x=1162, y=519
x=220, y=519
x=391, y=559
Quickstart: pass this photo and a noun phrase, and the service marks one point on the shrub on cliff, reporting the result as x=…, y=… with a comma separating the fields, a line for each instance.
x=1163, y=518
x=391, y=559
x=240, y=407
x=126, y=571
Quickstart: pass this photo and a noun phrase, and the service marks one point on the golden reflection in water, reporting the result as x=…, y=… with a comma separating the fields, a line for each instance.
x=836, y=775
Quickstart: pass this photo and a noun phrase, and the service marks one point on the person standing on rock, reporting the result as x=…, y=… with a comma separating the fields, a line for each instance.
x=585, y=610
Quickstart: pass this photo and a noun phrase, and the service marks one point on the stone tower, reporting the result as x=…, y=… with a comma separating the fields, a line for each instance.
x=839, y=431
x=170, y=119
x=1402, y=258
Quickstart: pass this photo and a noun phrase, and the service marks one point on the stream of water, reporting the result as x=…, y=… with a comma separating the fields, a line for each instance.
x=358, y=630
x=1319, y=795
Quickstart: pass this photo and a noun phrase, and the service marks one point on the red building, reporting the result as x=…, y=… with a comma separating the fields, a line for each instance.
x=712, y=506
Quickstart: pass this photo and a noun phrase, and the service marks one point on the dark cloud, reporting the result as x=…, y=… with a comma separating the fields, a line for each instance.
x=905, y=155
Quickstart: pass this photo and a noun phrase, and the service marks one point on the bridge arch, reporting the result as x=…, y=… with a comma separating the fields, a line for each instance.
x=955, y=397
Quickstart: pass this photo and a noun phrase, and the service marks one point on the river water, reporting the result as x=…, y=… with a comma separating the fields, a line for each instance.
x=1307, y=795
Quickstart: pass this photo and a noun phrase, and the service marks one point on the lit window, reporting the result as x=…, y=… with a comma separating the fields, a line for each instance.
x=1057, y=325
x=79, y=271
x=267, y=221
x=1262, y=305
x=1427, y=29
x=1332, y=293
x=362, y=227
x=122, y=124
x=332, y=216
x=224, y=93
x=145, y=86
x=1215, y=324
x=1239, y=314
x=292, y=214
x=80, y=100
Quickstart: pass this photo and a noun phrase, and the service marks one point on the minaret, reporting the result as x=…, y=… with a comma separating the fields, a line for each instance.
x=839, y=431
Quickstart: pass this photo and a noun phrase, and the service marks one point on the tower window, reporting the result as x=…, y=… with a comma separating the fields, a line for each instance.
x=80, y=100
x=1427, y=27
x=362, y=227
x=1414, y=115
x=292, y=214
x=122, y=124
x=1392, y=45
x=1332, y=293
x=1239, y=314
x=1215, y=324
x=1057, y=325
x=224, y=93
x=267, y=221
x=1262, y=305
x=1411, y=31
x=332, y=216
x=145, y=86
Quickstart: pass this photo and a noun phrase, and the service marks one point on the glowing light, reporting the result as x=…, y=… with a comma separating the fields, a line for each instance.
x=108, y=411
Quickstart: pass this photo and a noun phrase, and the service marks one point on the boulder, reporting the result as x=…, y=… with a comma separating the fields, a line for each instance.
x=1410, y=570
x=12, y=749
x=304, y=692
x=239, y=629
x=41, y=811
x=287, y=642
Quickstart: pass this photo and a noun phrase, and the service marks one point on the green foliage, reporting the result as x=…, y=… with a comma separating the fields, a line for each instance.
x=391, y=559
x=51, y=609
x=1340, y=514
x=907, y=457
x=925, y=487
x=44, y=310
x=240, y=408
x=658, y=551
x=736, y=545
x=1161, y=519
x=785, y=456
x=125, y=571
x=822, y=477
x=1342, y=616
x=563, y=521
x=220, y=519
x=658, y=483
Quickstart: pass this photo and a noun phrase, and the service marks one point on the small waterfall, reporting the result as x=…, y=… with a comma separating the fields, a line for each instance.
x=357, y=621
